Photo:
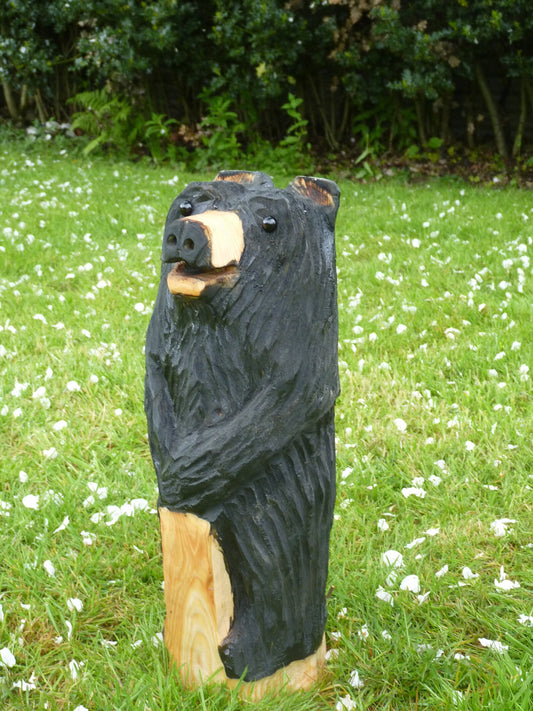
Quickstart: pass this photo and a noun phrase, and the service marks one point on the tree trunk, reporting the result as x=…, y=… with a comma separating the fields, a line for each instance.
x=419, y=106
x=517, y=145
x=497, y=127
x=445, y=120
x=10, y=101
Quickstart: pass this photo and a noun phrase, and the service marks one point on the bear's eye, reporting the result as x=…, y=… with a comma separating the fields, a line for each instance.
x=185, y=208
x=269, y=223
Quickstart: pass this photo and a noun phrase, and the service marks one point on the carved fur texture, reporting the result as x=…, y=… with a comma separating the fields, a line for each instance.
x=241, y=382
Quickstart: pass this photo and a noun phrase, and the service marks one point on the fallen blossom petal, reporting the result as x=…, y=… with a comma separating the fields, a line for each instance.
x=7, y=658
x=506, y=585
x=468, y=574
x=26, y=685
x=414, y=543
x=63, y=525
x=345, y=703
x=31, y=501
x=392, y=558
x=494, y=645
x=413, y=491
x=355, y=680
x=74, y=668
x=411, y=583
x=74, y=603
x=401, y=425
x=383, y=595
x=60, y=425
x=499, y=526
x=48, y=566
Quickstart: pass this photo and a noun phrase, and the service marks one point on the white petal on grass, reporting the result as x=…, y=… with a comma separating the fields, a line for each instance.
x=383, y=525
x=363, y=633
x=392, y=558
x=73, y=386
x=60, y=425
x=411, y=583
x=500, y=526
x=29, y=685
x=7, y=658
x=441, y=572
x=157, y=639
x=401, y=425
x=50, y=453
x=88, y=538
x=31, y=501
x=413, y=491
x=383, y=595
x=494, y=645
x=468, y=574
x=68, y=625
x=74, y=603
x=526, y=620
x=81, y=708
x=63, y=525
x=469, y=446
x=74, y=668
x=355, y=680
x=345, y=704
x=415, y=543
x=432, y=531
x=48, y=566
x=1, y=613
x=504, y=583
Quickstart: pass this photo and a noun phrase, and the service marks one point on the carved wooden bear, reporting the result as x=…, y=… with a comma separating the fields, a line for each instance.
x=241, y=382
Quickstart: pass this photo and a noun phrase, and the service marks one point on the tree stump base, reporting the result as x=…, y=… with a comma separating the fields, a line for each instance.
x=199, y=608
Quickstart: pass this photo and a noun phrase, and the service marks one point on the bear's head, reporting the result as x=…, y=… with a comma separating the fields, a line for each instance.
x=241, y=228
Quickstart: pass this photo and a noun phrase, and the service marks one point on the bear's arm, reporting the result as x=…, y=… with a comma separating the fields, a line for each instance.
x=203, y=467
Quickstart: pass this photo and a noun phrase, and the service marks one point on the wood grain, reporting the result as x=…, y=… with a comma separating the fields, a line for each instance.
x=199, y=609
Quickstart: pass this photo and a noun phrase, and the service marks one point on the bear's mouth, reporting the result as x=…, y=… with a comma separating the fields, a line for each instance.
x=187, y=280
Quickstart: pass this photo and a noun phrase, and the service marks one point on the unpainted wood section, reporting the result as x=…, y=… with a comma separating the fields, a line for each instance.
x=311, y=189
x=199, y=608
x=236, y=177
x=192, y=625
x=225, y=235
x=181, y=283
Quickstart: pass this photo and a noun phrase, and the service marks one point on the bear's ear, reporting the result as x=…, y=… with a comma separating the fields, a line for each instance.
x=320, y=190
x=247, y=177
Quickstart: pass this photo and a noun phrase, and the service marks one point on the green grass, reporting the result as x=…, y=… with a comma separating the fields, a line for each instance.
x=435, y=304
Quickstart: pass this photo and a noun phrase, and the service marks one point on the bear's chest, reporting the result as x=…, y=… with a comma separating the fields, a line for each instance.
x=210, y=374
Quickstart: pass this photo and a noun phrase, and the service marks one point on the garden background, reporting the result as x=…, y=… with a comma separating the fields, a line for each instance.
x=109, y=109
x=349, y=81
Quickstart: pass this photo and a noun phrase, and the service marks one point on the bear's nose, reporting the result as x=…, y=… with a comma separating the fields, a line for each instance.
x=186, y=240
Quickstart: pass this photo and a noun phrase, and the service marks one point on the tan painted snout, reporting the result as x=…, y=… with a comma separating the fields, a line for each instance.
x=224, y=234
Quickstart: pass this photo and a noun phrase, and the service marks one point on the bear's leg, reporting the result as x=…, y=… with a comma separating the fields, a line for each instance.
x=199, y=608
x=198, y=597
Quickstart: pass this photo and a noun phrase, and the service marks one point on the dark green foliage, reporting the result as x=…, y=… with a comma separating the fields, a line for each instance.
x=368, y=76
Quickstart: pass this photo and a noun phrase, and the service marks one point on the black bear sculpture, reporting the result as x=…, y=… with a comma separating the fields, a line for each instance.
x=241, y=383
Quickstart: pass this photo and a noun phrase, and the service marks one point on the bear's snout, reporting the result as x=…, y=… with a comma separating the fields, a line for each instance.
x=186, y=240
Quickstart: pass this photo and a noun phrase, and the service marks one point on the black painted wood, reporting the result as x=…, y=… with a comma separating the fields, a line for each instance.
x=241, y=384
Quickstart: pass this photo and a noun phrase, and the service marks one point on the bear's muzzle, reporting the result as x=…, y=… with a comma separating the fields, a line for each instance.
x=206, y=248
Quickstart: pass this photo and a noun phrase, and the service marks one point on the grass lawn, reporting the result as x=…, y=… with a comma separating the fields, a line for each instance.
x=431, y=572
